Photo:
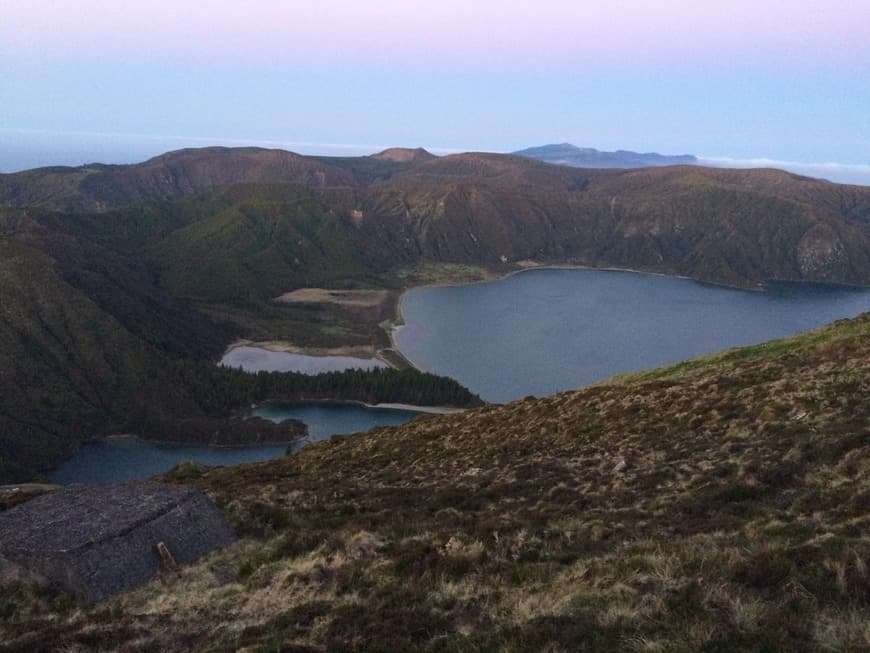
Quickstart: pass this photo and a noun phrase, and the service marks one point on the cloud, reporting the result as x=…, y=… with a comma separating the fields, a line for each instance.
x=844, y=173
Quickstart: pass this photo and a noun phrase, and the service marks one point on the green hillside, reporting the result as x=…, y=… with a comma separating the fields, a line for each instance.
x=90, y=345
x=735, y=227
x=716, y=505
x=253, y=243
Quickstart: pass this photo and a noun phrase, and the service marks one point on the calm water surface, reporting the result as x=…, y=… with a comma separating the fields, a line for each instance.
x=256, y=359
x=125, y=459
x=548, y=330
x=326, y=418
x=532, y=333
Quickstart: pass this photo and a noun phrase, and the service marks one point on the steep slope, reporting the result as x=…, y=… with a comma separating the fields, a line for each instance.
x=91, y=345
x=252, y=243
x=738, y=227
x=718, y=505
x=733, y=227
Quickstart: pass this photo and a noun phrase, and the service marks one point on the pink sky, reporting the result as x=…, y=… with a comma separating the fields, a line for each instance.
x=833, y=31
x=741, y=79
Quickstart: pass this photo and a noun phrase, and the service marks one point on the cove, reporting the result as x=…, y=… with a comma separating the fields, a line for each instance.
x=542, y=331
x=130, y=458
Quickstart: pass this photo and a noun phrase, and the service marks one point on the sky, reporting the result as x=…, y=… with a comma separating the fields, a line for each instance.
x=743, y=82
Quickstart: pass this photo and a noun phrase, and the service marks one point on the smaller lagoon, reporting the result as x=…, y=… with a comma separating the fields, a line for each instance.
x=131, y=458
x=327, y=418
x=257, y=359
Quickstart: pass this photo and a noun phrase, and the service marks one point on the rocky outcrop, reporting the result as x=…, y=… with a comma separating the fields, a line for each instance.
x=821, y=253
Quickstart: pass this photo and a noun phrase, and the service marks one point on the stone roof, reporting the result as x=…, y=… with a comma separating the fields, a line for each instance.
x=79, y=515
x=96, y=540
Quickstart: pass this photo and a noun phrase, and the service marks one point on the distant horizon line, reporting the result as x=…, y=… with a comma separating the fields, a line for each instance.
x=856, y=173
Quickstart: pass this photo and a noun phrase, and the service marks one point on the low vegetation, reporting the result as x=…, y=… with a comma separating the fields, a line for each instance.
x=718, y=505
x=221, y=390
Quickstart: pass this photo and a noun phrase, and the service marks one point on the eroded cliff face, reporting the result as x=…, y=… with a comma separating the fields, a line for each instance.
x=821, y=254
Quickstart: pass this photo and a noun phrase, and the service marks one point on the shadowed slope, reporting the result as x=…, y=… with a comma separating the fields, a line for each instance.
x=90, y=346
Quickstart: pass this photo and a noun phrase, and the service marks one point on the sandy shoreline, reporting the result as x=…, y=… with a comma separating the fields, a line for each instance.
x=395, y=325
x=176, y=444
x=286, y=347
x=429, y=410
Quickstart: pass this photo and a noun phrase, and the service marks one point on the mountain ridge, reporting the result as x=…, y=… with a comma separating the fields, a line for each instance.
x=193, y=171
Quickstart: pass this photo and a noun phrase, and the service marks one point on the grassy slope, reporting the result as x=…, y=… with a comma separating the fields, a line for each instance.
x=741, y=521
x=239, y=249
x=253, y=246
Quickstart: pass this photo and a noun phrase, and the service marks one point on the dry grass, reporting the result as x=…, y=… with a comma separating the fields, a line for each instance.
x=348, y=298
x=740, y=522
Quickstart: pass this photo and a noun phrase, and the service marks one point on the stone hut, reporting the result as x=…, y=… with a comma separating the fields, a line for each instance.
x=96, y=540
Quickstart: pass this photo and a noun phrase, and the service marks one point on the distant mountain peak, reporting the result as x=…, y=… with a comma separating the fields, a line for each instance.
x=588, y=157
x=404, y=155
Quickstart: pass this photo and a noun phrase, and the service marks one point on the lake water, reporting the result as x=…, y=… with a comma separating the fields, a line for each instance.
x=532, y=333
x=542, y=331
x=126, y=459
x=257, y=359
x=326, y=418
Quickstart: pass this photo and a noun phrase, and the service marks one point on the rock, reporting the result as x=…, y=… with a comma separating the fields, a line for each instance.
x=619, y=467
x=820, y=252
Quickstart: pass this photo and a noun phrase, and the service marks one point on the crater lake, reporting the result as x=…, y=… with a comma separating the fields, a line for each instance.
x=545, y=330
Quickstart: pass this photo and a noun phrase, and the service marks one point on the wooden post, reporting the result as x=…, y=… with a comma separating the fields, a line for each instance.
x=167, y=562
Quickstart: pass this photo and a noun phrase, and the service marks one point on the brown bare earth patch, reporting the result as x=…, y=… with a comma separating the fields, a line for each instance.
x=349, y=298
x=361, y=351
x=722, y=504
